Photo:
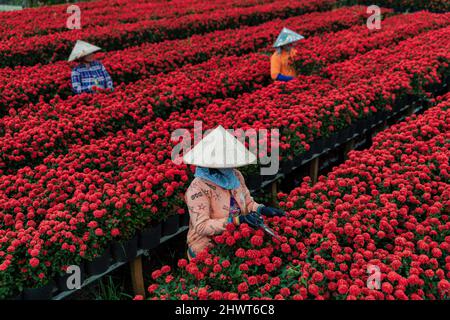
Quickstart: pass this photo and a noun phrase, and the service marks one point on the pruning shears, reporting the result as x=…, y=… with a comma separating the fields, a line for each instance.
x=267, y=229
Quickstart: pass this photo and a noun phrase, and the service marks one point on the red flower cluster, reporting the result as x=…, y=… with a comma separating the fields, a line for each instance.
x=49, y=20
x=99, y=165
x=31, y=84
x=46, y=124
x=337, y=223
x=52, y=47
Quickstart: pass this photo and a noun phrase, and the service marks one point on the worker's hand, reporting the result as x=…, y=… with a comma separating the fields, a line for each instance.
x=253, y=219
x=270, y=212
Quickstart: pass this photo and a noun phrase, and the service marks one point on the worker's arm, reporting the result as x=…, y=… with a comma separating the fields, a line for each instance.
x=199, y=210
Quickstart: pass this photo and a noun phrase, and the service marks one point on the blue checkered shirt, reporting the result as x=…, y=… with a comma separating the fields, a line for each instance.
x=85, y=76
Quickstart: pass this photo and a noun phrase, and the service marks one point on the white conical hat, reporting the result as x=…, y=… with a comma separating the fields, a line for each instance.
x=82, y=49
x=219, y=149
x=287, y=36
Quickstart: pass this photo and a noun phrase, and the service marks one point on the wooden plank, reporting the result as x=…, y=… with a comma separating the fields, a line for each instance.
x=274, y=192
x=314, y=169
x=137, y=277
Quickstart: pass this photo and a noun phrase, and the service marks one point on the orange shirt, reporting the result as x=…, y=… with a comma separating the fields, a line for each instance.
x=281, y=63
x=209, y=208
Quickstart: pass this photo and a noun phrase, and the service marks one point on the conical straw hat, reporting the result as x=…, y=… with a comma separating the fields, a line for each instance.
x=82, y=49
x=219, y=149
x=287, y=36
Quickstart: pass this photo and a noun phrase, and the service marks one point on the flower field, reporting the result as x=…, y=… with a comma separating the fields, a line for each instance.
x=386, y=206
x=78, y=172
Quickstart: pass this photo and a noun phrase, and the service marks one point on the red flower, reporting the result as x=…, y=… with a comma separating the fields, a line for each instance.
x=202, y=293
x=242, y=287
x=252, y=280
x=182, y=263
x=34, y=262
x=226, y=263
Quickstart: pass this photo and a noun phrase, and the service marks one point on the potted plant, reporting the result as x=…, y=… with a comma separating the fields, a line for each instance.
x=40, y=292
x=126, y=250
x=99, y=262
x=150, y=236
x=170, y=225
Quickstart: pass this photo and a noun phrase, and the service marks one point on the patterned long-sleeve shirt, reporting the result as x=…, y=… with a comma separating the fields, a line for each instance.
x=87, y=75
x=209, y=209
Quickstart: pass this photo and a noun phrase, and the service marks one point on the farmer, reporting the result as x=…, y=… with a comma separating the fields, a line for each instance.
x=281, y=60
x=218, y=195
x=89, y=73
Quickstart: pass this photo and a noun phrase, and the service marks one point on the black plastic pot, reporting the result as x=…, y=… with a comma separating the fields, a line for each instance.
x=124, y=251
x=16, y=297
x=286, y=166
x=361, y=125
x=332, y=140
x=379, y=116
x=149, y=238
x=346, y=133
x=61, y=280
x=317, y=146
x=100, y=264
x=41, y=293
x=184, y=220
x=170, y=226
x=297, y=162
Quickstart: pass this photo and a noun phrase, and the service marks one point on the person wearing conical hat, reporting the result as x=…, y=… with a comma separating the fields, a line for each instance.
x=281, y=61
x=218, y=194
x=89, y=74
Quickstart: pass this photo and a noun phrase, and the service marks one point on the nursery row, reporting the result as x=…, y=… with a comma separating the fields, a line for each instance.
x=123, y=182
x=324, y=107
x=377, y=227
x=42, y=82
x=89, y=116
x=48, y=48
x=48, y=125
x=51, y=20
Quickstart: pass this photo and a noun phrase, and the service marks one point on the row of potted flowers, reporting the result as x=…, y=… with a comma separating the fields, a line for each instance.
x=124, y=182
x=114, y=252
x=36, y=124
x=53, y=19
x=320, y=114
x=376, y=227
x=36, y=121
x=53, y=47
x=55, y=126
x=358, y=40
x=23, y=85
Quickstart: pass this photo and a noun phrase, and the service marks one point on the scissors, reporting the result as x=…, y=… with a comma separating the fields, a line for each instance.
x=268, y=230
